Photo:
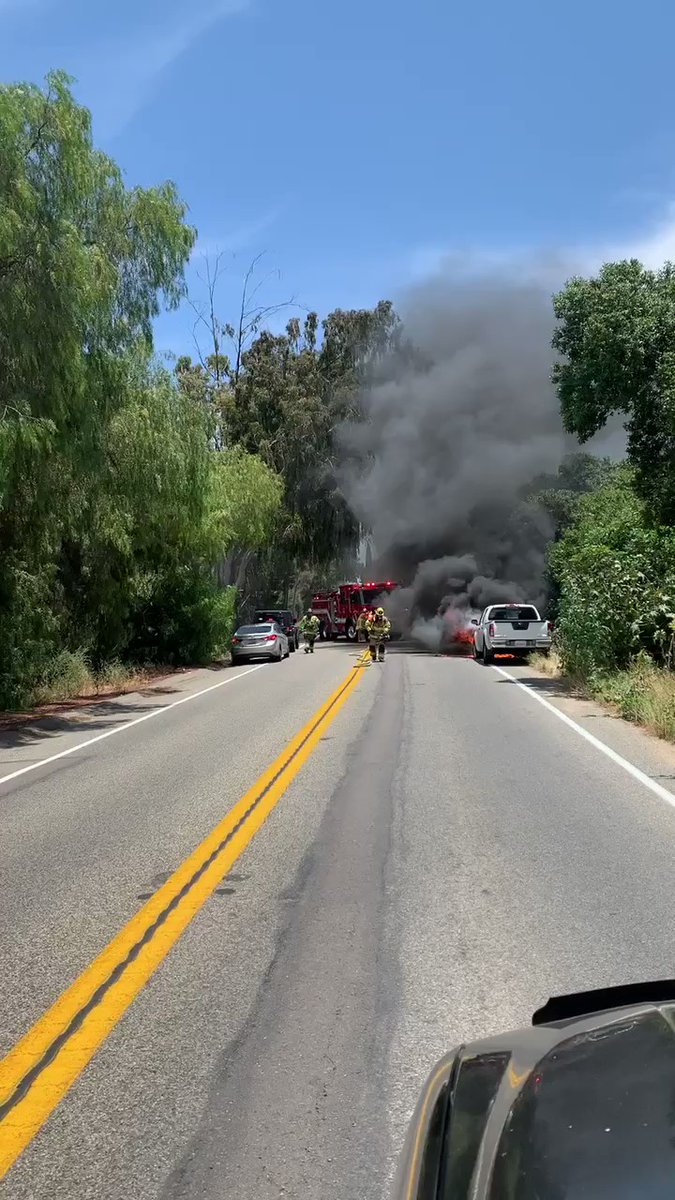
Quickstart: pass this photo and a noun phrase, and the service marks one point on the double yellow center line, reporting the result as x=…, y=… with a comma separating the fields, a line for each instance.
x=39, y=1070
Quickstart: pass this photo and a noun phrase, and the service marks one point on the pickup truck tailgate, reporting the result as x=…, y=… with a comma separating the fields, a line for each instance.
x=520, y=634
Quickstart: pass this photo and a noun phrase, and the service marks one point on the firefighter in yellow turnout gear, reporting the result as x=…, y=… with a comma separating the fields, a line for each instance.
x=309, y=628
x=362, y=626
x=378, y=628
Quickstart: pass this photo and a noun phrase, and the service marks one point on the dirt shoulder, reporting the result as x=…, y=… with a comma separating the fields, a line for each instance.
x=146, y=681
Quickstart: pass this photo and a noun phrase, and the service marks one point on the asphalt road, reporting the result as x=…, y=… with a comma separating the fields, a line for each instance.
x=449, y=855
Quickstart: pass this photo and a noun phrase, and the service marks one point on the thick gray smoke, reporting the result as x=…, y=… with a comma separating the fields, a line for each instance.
x=437, y=606
x=457, y=430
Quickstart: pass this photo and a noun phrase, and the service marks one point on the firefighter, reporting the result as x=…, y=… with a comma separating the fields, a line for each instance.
x=378, y=631
x=309, y=628
x=362, y=626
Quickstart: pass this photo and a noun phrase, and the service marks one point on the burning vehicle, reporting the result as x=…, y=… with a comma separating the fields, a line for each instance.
x=457, y=631
x=448, y=631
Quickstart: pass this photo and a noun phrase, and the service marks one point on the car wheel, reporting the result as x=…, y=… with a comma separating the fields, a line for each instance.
x=350, y=631
x=488, y=656
x=476, y=655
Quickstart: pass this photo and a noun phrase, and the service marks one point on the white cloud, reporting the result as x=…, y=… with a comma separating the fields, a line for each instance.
x=651, y=245
x=154, y=54
x=236, y=239
x=121, y=79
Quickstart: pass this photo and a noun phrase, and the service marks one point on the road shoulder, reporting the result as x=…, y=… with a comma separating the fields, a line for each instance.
x=31, y=737
x=649, y=753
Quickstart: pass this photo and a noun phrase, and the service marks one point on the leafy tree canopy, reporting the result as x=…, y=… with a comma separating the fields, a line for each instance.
x=114, y=507
x=616, y=336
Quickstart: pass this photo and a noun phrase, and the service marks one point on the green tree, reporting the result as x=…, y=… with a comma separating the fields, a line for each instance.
x=215, y=505
x=293, y=392
x=283, y=396
x=561, y=493
x=207, y=383
x=616, y=336
x=616, y=575
x=101, y=468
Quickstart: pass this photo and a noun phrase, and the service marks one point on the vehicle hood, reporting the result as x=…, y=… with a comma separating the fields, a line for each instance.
x=581, y=1108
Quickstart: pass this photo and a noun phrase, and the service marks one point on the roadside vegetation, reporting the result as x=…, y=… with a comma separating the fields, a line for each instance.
x=142, y=505
x=643, y=693
x=612, y=565
x=69, y=675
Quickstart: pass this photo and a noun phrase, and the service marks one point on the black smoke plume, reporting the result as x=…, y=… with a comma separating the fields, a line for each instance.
x=459, y=423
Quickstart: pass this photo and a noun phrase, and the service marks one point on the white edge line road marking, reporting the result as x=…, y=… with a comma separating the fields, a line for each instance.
x=126, y=725
x=653, y=786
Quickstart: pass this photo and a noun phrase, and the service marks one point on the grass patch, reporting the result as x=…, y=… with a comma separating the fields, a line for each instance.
x=115, y=675
x=69, y=676
x=547, y=664
x=643, y=694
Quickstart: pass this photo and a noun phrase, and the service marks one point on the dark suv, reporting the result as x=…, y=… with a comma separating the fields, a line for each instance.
x=285, y=619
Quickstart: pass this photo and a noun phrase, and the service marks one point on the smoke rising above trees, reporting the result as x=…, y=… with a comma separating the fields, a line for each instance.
x=461, y=424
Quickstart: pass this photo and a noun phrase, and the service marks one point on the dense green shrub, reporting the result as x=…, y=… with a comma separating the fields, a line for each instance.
x=616, y=575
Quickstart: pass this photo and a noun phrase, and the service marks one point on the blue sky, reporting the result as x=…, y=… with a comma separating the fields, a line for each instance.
x=359, y=143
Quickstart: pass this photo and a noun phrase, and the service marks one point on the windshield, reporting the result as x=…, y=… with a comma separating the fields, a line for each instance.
x=526, y=613
x=274, y=614
x=255, y=629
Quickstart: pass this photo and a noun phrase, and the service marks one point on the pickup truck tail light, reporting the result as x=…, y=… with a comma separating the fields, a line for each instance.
x=549, y=626
x=236, y=641
x=491, y=629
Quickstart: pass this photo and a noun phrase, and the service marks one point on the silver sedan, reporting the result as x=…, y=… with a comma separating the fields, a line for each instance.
x=259, y=641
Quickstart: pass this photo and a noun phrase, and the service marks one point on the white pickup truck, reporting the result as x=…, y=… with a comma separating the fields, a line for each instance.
x=510, y=629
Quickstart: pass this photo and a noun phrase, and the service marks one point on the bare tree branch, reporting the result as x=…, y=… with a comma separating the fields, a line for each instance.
x=251, y=316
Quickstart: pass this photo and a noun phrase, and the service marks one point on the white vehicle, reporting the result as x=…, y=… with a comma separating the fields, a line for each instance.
x=510, y=629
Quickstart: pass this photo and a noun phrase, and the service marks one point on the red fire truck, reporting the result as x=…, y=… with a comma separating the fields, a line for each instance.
x=338, y=610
